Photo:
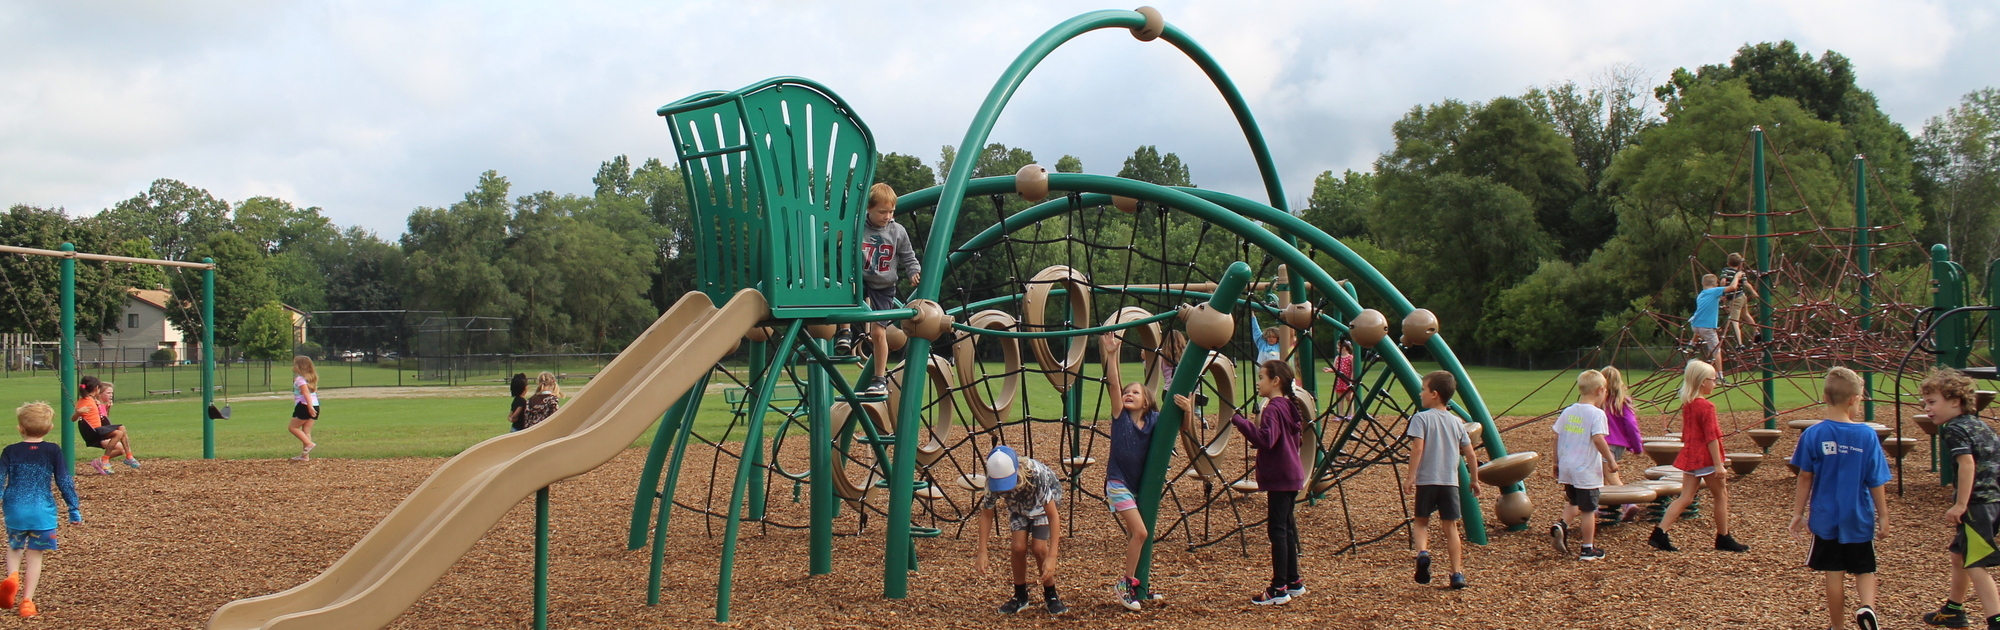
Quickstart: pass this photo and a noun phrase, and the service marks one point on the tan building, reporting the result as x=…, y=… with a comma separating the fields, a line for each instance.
x=142, y=330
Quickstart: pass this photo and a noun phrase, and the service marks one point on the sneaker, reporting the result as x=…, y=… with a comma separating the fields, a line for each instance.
x=1945, y=616
x=1865, y=618
x=1726, y=542
x=1559, y=534
x=1630, y=512
x=1056, y=606
x=98, y=465
x=875, y=387
x=1296, y=588
x=1457, y=581
x=1591, y=554
x=1128, y=594
x=28, y=608
x=8, y=588
x=1423, y=567
x=843, y=343
x=1272, y=596
x=1659, y=540
x=132, y=462
x=1013, y=605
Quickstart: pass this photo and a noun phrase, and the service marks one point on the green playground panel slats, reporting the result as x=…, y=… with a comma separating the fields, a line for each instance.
x=778, y=173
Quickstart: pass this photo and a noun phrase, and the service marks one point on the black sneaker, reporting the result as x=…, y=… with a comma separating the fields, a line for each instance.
x=1272, y=596
x=1726, y=542
x=1013, y=605
x=1591, y=554
x=1947, y=617
x=843, y=343
x=1457, y=581
x=1559, y=534
x=876, y=387
x=1660, y=541
x=1056, y=606
x=1423, y=567
x=1865, y=618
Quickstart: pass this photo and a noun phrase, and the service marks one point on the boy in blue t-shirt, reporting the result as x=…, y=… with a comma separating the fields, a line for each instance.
x=1841, y=473
x=1707, y=306
x=27, y=469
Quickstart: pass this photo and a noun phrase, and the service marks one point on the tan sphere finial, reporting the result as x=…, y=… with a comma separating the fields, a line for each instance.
x=1207, y=327
x=1032, y=181
x=1419, y=327
x=1368, y=328
x=1155, y=25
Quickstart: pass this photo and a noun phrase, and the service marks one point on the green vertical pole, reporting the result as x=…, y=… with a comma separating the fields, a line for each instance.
x=649, y=477
x=680, y=439
x=1168, y=426
x=898, y=546
x=819, y=398
x=207, y=358
x=67, y=373
x=542, y=559
x=1759, y=189
x=758, y=362
x=1862, y=241
x=753, y=441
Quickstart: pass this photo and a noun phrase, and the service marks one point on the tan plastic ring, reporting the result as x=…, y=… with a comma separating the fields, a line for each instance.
x=942, y=417
x=1149, y=344
x=1065, y=373
x=1203, y=450
x=844, y=486
x=989, y=413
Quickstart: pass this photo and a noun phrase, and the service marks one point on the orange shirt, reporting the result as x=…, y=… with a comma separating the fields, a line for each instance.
x=91, y=417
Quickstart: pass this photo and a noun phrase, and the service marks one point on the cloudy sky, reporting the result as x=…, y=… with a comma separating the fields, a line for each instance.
x=369, y=109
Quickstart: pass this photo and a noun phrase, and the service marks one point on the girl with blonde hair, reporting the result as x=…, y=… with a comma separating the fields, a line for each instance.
x=305, y=405
x=1700, y=460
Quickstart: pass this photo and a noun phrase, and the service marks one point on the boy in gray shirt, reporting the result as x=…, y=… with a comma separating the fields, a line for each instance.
x=1437, y=441
x=885, y=245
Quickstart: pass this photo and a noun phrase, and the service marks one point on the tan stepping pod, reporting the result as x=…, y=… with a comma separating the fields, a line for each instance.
x=989, y=413
x=1067, y=370
x=1614, y=496
x=930, y=493
x=1882, y=431
x=1664, y=489
x=1246, y=486
x=1509, y=470
x=1800, y=425
x=1898, y=447
x=1676, y=435
x=1657, y=472
x=1078, y=463
x=974, y=483
x=1663, y=453
x=1477, y=432
x=1981, y=398
x=1513, y=508
x=1925, y=422
x=1765, y=437
x=1658, y=438
x=1744, y=463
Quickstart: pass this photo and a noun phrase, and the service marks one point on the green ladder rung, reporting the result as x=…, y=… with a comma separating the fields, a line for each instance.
x=847, y=359
x=918, y=484
x=925, y=532
x=887, y=438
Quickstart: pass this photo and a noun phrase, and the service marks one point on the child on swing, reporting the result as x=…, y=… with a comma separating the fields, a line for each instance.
x=96, y=430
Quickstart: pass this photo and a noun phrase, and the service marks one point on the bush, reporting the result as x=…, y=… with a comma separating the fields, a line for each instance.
x=162, y=357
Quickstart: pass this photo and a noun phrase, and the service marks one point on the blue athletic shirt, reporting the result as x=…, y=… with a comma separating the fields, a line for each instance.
x=1706, y=304
x=1846, y=461
x=27, y=470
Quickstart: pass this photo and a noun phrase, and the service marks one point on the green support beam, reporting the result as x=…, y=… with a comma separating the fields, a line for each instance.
x=1867, y=281
x=1760, y=190
x=649, y=476
x=67, y=372
x=207, y=359
x=753, y=443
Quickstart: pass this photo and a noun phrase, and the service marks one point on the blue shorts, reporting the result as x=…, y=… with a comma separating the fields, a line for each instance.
x=36, y=539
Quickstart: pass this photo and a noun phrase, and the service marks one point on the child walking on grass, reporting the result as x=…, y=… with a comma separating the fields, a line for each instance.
x=1841, y=473
x=1438, y=445
x=1131, y=439
x=1030, y=493
x=1975, y=450
x=27, y=470
x=1582, y=460
x=1280, y=475
x=1700, y=459
x=305, y=405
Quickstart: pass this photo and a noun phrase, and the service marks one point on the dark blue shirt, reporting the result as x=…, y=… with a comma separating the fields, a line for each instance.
x=27, y=471
x=1129, y=447
x=1846, y=461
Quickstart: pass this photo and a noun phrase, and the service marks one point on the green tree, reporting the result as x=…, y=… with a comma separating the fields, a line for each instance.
x=1147, y=165
x=242, y=283
x=1461, y=239
x=1069, y=164
x=907, y=174
x=452, y=254
x=1959, y=158
x=1340, y=205
x=366, y=273
x=266, y=333
x=176, y=217
x=33, y=283
x=1599, y=121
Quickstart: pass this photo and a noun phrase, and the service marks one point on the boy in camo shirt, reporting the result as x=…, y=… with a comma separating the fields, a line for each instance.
x=1030, y=492
x=1975, y=451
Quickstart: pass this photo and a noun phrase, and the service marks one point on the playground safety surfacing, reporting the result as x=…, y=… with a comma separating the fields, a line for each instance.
x=163, y=547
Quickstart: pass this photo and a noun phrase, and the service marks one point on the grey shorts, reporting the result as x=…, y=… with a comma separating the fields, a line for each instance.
x=1709, y=341
x=1702, y=472
x=1440, y=499
x=1583, y=498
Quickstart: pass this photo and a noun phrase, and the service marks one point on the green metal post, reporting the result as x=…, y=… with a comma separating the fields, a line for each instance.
x=823, y=506
x=207, y=358
x=1760, y=189
x=1947, y=293
x=542, y=559
x=680, y=439
x=1862, y=241
x=649, y=477
x=1167, y=427
x=759, y=355
x=753, y=442
x=67, y=373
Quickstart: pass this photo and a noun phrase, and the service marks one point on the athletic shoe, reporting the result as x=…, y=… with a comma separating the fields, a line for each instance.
x=1457, y=581
x=28, y=608
x=1865, y=618
x=1591, y=554
x=98, y=465
x=1948, y=617
x=1726, y=542
x=1559, y=534
x=843, y=343
x=132, y=462
x=1659, y=540
x=12, y=586
x=1423, y=567
x=1128, y=595
x=1630, y=512
x=1296, y=588
x=1056, y=606
x=1013, y=605
x=875, y=387
x=1272, y=596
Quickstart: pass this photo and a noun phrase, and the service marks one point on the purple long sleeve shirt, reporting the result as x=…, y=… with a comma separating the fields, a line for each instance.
x=1275, y=435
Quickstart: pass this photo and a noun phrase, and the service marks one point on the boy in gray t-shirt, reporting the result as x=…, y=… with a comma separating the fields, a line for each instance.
x=1437, y=441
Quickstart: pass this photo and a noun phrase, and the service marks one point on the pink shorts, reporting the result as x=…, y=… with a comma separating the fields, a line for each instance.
x=1119, y=497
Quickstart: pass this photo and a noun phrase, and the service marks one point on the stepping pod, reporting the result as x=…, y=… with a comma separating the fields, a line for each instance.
x=1663, y=453
x=1744, y=463
x=1898, y=447
x=1765, y=437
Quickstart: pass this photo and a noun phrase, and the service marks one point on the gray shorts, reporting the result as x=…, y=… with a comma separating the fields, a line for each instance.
x=1708, y=340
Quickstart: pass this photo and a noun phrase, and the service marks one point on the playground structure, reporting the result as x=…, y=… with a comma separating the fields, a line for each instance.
x=778, y=175
x=66, y=362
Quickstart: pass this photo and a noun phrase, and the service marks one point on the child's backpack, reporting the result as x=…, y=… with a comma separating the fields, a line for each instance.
x=540, y=407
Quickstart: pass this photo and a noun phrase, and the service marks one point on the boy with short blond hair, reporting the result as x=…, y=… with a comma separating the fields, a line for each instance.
x=1975, y=450
x=1842, y=470
x=1707, y=308
x=27, y=469
x=1582, y=461
x=1437, y=444
x=885, y=246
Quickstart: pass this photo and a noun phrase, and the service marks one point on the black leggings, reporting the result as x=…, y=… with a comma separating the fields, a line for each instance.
x=1284, y=532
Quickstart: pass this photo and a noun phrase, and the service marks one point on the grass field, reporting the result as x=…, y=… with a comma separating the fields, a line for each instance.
x=447, y=421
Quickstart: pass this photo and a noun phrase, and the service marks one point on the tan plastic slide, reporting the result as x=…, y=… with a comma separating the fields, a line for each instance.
x=417, y=542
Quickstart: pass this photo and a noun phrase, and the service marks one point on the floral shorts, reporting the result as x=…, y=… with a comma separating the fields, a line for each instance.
x=36, y=539
x=1119, y=497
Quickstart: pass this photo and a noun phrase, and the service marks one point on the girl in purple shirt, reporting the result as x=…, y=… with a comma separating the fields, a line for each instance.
x=1280, y=476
